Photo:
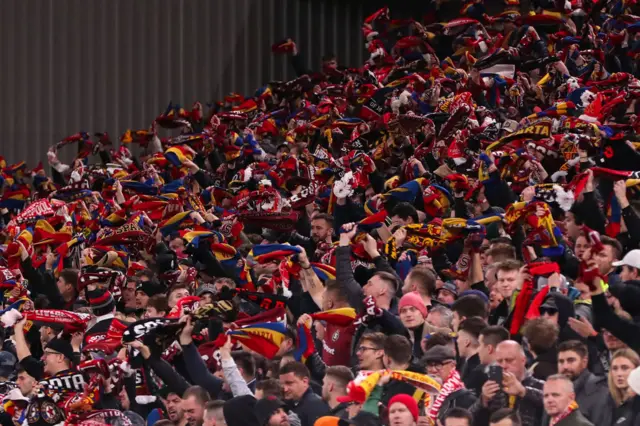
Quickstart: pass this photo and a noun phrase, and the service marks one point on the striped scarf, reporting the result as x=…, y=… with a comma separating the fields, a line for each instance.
x=452, y=384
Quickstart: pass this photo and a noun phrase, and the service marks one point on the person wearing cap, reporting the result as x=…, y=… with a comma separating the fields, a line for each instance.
x=413, y=314
x=103, y=307
x=206, y=292
x=448, y=293
x=57, y=361
x=403, y=411
x=146, y=289
x=441, y=363
x=270, y=412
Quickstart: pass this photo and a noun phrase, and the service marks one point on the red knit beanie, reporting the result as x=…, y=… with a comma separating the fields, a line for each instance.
x=408, y=402
x=413, y=299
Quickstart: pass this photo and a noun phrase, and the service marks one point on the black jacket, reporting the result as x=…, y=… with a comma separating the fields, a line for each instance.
x=310, y=408
x=627, y=331
x=545, y=364
x=462, y=398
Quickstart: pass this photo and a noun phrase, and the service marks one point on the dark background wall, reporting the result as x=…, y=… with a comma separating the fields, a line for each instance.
x=109, y=65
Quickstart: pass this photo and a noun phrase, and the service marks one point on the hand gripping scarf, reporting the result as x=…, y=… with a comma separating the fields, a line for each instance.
x=452, y=384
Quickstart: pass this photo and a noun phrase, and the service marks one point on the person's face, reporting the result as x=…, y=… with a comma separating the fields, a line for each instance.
x=46, y=334
x=441, y=369
x=490, y=276
x=628, y=273
x=573, y=229
x=279, y=418
x=369, y=357
x=397, y=221
x=611, y=342
x=206, y=298
x=25, y=383
x=320, y=230
x=549, y=313
x=455, y=323
x=152, y=312
x=220, y=284
x=369, y=194
x=485, y=352
x=556, y=396
x=375, y=287
x=129, y=294
x=177, y=245
x=52, y=361
x=141, y=299
x=399, y=415
x=193, y=411
x=293, y=387
x=581, y=246
x=571, y=364
x=495, y=298
x=620, y=369
x=435, y=318
x=63, y=286
x=446, y=297
x=176, y=295
x=330, y=64
x=327, y=300
x=411, y=317
x=456, y=421
x=604, y=259
x=507, y=283
x=174, y=408
x=511, y=359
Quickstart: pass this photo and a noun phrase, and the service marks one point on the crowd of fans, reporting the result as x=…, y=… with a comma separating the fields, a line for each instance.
x=446, y=235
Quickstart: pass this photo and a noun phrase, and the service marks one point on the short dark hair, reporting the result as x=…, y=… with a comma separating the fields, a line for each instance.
x=297, y=368
x=509, y=265
x=405, y=211
x=438, y=339
x=159, y=302
x=324, y=216
x=70, y=276
x=575, y=346
x=398, y=348
x=390, y=278
x=246, y=361
x=615, y=245
x=341, y=374
x=198, y=392
x=505, y=413
x=425, y=279
x=458, y=413
x=337, y=290
x=377, y=339
x=270, y=387
x=470, y=306
x=541, y=333
x=494, y=334
x=473, y=326
x=501, y=252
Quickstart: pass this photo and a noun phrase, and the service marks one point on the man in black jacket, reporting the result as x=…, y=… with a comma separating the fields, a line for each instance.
x=334, y=389
x=294, y=379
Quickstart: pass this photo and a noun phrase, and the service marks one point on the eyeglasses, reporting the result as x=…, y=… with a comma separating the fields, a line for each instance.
x=365, y=348
x=438, y=365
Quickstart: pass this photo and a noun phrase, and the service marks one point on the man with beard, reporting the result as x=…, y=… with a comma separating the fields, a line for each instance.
x=573, y=360
x=321, y=233
x=193, y=401
x=173, y=404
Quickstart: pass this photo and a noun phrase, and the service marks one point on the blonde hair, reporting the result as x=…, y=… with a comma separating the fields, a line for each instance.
x=617, y=394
